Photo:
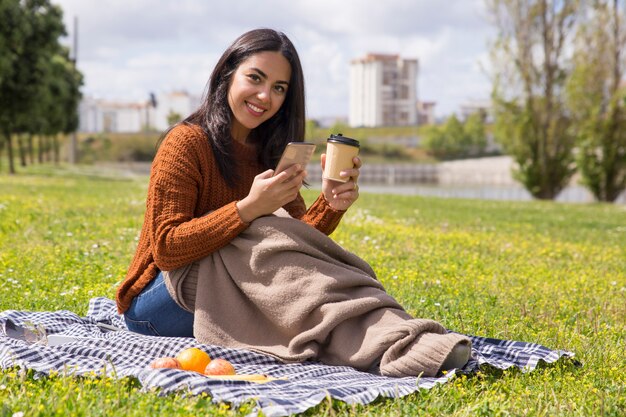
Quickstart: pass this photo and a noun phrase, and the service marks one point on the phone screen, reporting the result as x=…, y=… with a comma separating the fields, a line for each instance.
x=295, y=153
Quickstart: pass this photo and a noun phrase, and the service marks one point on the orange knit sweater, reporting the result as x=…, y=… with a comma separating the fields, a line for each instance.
x=191, y=212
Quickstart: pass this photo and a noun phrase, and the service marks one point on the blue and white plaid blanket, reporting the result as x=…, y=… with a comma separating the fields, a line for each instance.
x=122, y=353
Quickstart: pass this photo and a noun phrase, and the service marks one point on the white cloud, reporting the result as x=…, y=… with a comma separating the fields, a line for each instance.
x=130, y=48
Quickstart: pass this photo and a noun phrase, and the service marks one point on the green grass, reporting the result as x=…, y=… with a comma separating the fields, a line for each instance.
x=544, y=272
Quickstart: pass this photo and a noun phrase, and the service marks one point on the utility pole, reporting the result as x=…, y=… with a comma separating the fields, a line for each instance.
x=73, y=149
x=152, y=103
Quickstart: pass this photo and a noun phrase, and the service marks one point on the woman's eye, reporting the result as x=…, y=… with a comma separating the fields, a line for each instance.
x=280, y=89
x=254, y=77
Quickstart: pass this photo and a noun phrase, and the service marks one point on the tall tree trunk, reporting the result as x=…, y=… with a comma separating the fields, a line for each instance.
x=1, y=151
x=49, y=149
x=31, y=151
x=40, y=148
x=21, y=148
x=56, y=148
x=46, y=148
x=9, y=144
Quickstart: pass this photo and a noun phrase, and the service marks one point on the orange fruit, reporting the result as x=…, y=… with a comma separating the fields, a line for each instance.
x=219, y=367
x=193, y=359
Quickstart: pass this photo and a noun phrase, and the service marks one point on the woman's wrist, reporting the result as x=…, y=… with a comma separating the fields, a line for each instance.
x=245, y=210
x=328, y=202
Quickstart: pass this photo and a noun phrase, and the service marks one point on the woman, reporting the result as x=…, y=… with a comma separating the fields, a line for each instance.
x=212, y=178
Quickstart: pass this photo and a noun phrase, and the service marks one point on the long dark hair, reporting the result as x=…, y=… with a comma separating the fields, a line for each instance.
x=214, y=115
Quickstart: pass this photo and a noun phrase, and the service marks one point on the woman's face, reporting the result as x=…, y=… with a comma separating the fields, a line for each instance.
x=257, y=90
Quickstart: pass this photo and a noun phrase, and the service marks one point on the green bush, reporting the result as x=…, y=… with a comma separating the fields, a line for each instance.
x=106, y=147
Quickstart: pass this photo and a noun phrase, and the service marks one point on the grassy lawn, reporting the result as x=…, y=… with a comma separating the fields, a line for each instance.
x=549, y=273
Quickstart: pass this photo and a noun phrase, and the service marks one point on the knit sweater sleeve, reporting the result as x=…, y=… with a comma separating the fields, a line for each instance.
x=179, y=234
x=319, y=215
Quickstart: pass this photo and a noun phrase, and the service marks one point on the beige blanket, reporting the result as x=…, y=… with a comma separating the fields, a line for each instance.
x=287, y=290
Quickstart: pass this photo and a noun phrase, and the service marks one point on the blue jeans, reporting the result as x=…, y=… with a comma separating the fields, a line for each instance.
x=154, y=312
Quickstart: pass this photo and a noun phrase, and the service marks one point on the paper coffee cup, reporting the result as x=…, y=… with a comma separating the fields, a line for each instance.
x=339, y=153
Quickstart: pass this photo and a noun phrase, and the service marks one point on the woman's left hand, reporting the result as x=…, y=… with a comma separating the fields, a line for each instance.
x=342, y=195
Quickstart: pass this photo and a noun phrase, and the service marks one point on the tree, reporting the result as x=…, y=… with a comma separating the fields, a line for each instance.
x=530, y=69
x=339, y=127
x=435, y=141
x=173, y=118
x=456, y=139
x=474, y=128
x=29, y=35
x=59, y=96
x=12, y=34
x=596, y=99
x=310, y=131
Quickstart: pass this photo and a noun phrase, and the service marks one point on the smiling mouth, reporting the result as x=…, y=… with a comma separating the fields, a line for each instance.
x=254, y=108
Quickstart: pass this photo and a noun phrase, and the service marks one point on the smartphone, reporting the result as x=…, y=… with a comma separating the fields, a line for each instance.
x=295, y=153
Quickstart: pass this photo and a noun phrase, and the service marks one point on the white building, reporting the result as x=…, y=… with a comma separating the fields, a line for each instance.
x=383, y=91
x=108, y=116
x=176, y=103
x=483, y=107
x=97, y=115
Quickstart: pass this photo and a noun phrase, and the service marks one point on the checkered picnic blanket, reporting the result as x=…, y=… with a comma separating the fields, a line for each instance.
x=123, y=353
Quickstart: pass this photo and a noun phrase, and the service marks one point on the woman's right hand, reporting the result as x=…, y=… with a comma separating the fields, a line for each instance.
x=269, y=193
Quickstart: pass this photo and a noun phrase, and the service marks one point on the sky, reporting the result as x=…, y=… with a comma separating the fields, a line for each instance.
x=129, y=48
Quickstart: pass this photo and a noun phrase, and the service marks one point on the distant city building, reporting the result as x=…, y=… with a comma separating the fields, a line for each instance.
x=476, y=106
x=98, y=115
x=426, y=112
x=171, y=104
x=383, y=91
x=107, y=116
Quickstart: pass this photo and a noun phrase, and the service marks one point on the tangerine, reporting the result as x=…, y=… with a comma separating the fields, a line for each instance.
x=193, y=359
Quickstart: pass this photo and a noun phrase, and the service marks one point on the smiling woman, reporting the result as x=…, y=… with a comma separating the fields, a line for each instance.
x=230, y=254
